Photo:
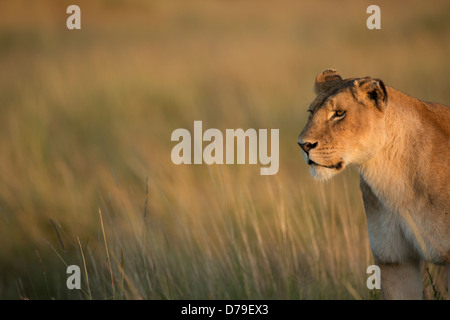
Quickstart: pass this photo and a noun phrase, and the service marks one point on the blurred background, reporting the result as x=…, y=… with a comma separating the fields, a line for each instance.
x=86, y=117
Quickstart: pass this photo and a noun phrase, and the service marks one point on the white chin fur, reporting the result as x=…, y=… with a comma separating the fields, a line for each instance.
x=321, y=173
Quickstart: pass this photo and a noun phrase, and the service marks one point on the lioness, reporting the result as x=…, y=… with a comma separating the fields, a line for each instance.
x=401, y=148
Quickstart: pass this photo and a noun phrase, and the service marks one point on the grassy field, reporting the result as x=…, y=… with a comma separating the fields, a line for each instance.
x=86, y=117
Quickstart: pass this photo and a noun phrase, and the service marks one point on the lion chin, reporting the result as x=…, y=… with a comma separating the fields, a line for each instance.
x=323, y=173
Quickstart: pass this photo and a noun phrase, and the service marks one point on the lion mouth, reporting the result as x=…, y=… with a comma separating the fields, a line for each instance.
x=336, y=166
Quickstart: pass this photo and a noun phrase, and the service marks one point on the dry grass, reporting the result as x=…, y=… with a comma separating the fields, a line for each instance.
x=86, y=118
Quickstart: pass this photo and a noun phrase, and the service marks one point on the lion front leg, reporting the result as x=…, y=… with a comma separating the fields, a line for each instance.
x=401, y=281
x=399, y=264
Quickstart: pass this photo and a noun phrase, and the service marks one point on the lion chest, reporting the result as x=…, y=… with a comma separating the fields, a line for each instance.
x=401, y=233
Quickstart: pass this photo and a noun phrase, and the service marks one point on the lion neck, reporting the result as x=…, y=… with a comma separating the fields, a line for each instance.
x=391, y=173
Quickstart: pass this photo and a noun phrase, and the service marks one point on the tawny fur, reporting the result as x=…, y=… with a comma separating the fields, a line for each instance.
x=401, y=147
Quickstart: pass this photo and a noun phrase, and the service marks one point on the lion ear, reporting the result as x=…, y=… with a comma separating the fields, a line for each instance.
x=326, y=79
x=373, y=90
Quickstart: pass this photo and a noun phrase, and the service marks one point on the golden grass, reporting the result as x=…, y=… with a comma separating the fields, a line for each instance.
x=86, y=118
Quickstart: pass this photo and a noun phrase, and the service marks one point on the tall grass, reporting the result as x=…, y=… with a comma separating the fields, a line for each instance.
x=231, y=246
x=85, y=124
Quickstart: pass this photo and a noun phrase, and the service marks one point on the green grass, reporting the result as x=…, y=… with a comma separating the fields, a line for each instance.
x=85, y=124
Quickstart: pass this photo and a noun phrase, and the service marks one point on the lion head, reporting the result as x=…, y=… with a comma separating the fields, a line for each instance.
x=346, y=123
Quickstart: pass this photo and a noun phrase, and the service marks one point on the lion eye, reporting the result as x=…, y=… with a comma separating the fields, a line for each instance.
x=339, y=114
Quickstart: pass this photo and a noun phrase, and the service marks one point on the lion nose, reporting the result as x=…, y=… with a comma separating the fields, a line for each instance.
x=307, y=146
